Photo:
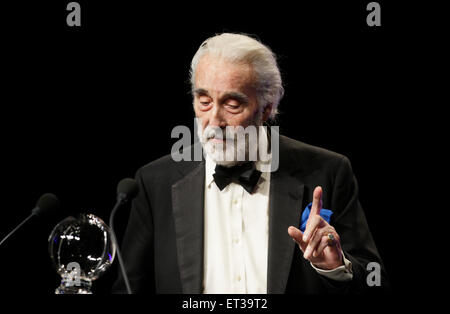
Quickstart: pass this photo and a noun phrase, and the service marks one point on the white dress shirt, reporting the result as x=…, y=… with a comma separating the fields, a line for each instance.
x=237, y=236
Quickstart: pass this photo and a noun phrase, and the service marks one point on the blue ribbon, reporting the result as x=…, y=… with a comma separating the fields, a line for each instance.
x=324, y=213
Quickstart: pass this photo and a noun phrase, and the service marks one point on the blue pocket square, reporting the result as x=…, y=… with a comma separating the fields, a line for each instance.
x=324, y=213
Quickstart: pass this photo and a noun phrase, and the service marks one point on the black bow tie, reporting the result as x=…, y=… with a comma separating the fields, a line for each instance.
x=245, y=175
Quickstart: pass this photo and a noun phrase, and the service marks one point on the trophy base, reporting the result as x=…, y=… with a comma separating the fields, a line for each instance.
x=71, y=286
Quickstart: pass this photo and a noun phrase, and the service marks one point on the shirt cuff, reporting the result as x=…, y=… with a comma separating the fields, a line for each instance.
x=341, y=273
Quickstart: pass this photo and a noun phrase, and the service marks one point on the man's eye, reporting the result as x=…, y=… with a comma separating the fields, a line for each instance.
x=205, y=103
x=233, y=106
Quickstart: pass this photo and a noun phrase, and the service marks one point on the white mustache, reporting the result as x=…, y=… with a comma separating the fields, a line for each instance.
x=218, y=133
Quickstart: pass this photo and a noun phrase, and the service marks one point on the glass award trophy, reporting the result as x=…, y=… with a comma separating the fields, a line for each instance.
x=81, y=249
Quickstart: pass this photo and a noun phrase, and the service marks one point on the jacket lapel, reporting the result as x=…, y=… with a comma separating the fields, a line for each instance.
x=188, y=202
x=286, y=196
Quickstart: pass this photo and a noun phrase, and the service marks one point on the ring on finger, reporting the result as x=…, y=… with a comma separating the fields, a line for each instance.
x=331, y=240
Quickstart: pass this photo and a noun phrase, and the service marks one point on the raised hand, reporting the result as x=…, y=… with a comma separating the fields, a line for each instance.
x=320, y=242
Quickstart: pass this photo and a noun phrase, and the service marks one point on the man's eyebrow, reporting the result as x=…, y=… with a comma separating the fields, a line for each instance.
x=242, y=98
x=201, y=91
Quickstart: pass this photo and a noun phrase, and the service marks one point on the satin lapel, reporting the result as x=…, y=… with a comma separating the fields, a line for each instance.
x=188, y=202
x=286, y=194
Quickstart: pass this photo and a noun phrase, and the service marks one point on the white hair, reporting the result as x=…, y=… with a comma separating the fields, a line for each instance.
x=242, y=48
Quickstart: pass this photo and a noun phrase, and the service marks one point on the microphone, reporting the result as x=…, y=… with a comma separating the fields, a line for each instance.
x=127, y=189
x=45, y=206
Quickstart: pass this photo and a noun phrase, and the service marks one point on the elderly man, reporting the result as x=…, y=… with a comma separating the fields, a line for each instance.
x=224, y=225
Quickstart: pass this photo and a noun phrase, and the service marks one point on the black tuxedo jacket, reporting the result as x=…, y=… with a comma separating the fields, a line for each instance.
x=163, y=244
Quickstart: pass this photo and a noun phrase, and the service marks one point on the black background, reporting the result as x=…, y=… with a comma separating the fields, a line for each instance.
x=85, y=107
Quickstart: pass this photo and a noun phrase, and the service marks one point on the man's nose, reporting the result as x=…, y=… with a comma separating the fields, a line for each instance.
x=216, y=117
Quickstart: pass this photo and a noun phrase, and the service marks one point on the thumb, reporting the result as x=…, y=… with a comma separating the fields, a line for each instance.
x=297, y=236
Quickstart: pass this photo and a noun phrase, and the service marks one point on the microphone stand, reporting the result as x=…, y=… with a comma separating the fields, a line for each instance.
x=120, y=201
x=16, y=228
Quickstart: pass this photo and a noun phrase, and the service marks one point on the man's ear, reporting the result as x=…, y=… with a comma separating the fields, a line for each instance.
x=267, y=111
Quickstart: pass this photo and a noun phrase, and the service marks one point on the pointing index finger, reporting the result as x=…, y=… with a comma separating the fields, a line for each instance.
x=317, y=201
x=315, y=211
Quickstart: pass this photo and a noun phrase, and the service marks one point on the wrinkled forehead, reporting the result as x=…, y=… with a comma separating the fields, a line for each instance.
x=218, y=75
